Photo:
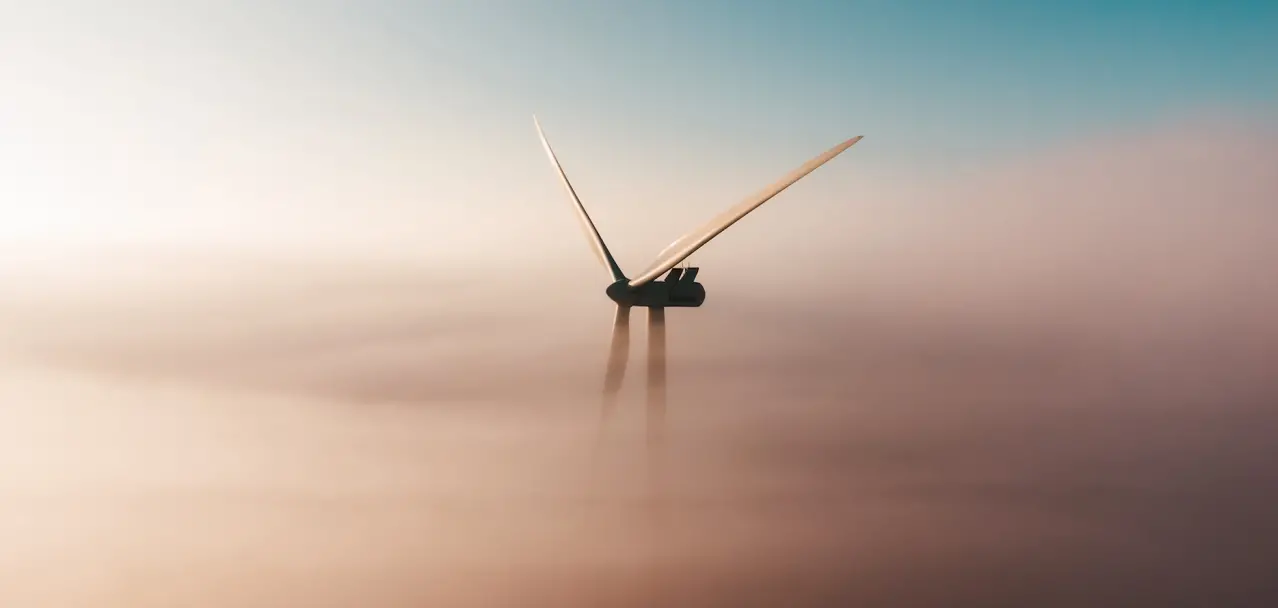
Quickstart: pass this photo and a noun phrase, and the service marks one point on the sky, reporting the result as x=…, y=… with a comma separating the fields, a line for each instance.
x=296, y=312
x=222, y=117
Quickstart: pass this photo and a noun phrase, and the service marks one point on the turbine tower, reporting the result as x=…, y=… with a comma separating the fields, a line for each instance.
x=679, y=289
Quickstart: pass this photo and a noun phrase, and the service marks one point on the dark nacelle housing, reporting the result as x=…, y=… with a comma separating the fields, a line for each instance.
x=679, y=288
x=682, y=288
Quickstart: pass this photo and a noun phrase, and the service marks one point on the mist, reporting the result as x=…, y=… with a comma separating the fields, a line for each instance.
x=1048, y=382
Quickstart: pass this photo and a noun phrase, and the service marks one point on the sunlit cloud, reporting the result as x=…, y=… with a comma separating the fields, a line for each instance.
x=1049, y=366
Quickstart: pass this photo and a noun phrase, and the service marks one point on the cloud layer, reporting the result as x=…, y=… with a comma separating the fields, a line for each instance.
x=1048, y=383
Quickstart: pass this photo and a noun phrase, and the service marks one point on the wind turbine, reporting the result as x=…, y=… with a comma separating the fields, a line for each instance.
x=678, y=289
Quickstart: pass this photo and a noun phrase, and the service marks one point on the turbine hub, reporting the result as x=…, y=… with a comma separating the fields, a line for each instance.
x=621, y=293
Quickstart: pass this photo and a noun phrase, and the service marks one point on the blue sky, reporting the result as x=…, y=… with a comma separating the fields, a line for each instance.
x=239, y=116
x=951, y=76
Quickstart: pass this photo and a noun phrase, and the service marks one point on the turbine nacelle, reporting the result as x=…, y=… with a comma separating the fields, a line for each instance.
x=679, y=289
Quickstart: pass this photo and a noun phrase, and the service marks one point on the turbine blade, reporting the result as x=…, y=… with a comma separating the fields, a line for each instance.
x=601, y=249
x=685, y=245
x=656, y=397
x=618, y=353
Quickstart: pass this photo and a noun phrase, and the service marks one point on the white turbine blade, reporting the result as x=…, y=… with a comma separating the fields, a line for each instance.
x=685, y=245
x=618, y=355
x=601, y=249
